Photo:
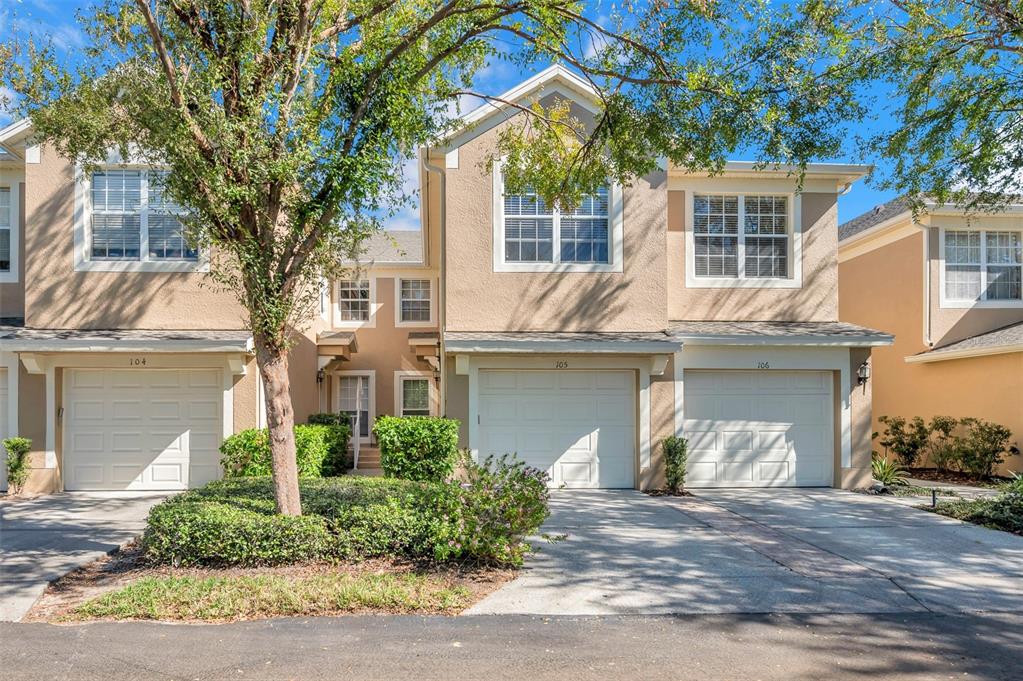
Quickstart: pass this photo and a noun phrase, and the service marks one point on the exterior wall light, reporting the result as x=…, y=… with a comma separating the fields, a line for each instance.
x=863, y=373
x=319, y=376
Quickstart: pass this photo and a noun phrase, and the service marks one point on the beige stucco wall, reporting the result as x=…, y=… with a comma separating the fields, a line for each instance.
x=12, y=295
x=58, y=297
x=952, y=324
x=883, y=289
x=816, y=300
x=384, y=348
x=478, y=299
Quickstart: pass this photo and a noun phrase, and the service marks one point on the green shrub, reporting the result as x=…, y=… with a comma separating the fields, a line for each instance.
x=17, y=463
x=327, y=419
x=983, y=447
x=943, y=446
x=186, y=532
x=233, y=521
x=504, y=501
x=905, y=439
x=676, y=456
x=887, y=472
x=1003, y=512
x=423, y=448
x=319, y=450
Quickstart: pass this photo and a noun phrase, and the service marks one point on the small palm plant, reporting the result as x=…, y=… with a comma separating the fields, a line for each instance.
x=888, y=472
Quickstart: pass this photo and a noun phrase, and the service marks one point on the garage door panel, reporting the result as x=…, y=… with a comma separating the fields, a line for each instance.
x=766, y=436
x=576, y=425
x=142, y=429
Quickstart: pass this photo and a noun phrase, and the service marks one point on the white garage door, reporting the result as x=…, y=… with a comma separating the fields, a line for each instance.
x=4, y=429
x=142, y=429
x=579, y=426
x=759, y=428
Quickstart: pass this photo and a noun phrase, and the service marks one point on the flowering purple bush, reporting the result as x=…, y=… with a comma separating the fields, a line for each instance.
x=503, y=502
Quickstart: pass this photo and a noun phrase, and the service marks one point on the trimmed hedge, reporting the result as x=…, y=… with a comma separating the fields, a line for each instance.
x=423, y=448
x=319, y=449
x=233, y=522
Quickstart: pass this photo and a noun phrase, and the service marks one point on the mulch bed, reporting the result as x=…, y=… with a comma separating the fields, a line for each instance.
x=666, y=493
x=955, y=478
x=127, y=565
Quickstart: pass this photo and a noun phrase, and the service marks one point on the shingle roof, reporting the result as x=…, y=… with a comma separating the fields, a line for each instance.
x=582, y=341
x=1005, y=337
x=394, y=245
x=873, y=217
x=230, y=340
x=817, y=333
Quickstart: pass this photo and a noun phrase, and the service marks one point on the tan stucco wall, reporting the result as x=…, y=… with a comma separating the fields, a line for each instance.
x=952, y=324
x=384, y=348
x=58, y=297
x=662, y=424
x=816, y=300
x=479, y=299
x=12, y=295
x=883, y=289
x=858, y=475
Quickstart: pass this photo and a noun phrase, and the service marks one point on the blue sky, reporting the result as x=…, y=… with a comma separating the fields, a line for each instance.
x=56, y=18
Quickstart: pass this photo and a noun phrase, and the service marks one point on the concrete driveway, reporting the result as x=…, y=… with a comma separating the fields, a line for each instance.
x=44, y=538
x=760, y=551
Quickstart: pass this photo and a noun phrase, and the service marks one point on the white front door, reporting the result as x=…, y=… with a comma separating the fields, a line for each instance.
x=759, y=428
x=144, y=429
x=579, y=426
x=4, y=428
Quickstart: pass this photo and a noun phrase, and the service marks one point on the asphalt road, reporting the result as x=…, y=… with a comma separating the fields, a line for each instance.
x=925, y=646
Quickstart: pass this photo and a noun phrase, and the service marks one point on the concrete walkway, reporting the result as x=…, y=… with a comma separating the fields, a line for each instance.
x=760, y=551
x=44, y=538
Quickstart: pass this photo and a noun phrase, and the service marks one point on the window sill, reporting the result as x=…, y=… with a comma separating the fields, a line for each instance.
x=400, y=323
x=8, y=277
x=140, y=266
x=558, y=267
x=349, y=325
x=981, y=304
x=726, y=282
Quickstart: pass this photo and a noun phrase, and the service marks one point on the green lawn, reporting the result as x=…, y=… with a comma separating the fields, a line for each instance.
x=257, y=596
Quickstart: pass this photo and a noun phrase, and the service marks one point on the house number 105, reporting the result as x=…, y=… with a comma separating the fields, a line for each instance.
x=561, y=364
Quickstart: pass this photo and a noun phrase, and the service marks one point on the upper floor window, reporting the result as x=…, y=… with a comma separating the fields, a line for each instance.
x=531, y=236
x=743, y=237
x=353, y=300
x=6, y=228
x=983, y=265
x=124, y=221
x=132, y=219
x=415, y=301
x=534, y=232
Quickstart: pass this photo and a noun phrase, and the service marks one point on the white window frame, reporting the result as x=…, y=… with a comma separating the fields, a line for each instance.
x=399, y=395
x=795, y=245
x=373, y=306
x=82, y=224
x=371, y=376
x=397, y=301
x=616, y=248
x=12, y=276
x=957, y=304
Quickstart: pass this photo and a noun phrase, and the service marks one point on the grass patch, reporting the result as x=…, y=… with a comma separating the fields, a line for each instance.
x=219, y=598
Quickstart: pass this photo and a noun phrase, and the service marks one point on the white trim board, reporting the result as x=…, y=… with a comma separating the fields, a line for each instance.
x=13, y=184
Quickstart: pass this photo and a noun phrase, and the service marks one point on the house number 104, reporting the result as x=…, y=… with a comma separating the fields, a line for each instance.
x=136, y=361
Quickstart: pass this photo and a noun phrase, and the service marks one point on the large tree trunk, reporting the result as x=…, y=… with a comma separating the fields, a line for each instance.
x=280, y=419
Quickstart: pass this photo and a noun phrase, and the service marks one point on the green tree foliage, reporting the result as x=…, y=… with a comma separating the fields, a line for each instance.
x=283, y=122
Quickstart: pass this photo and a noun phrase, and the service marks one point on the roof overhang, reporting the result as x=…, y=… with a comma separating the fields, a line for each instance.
x=122, y=345
x=864, y=341
x=966, y=353
x=560, y=343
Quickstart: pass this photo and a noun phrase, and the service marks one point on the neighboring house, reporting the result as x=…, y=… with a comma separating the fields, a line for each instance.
x=705, y=306
x=950, y=287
